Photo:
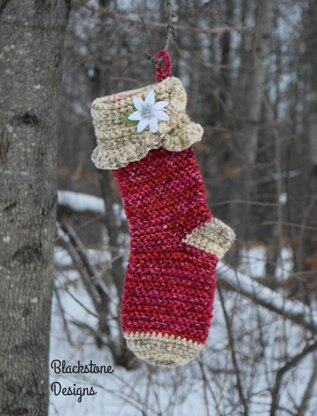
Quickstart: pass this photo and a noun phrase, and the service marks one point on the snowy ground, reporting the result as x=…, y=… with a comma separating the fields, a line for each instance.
x=263, y=342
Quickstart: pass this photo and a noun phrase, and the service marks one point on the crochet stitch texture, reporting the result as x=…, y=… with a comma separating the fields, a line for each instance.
x=119, y=144
x=176, y=242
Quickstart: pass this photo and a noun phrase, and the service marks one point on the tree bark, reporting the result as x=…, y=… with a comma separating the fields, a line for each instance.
x=309, y=251
x=100, y=85
x=31, y=40
x=247, y=144
x=312, y=99
x=263, y=23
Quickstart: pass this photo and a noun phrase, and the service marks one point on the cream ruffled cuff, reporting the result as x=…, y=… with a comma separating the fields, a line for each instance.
x=118, y=142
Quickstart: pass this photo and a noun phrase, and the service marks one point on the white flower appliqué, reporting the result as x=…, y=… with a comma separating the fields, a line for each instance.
x=148, y=112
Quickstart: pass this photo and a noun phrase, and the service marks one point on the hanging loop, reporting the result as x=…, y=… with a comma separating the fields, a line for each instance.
x=163, y=66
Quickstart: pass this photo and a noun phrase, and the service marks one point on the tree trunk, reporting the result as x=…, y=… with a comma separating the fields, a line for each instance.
x=100, y=85
x=31, y=40
x=247, y=142
x=312, y=50
x=308, y=251
x=263, y=23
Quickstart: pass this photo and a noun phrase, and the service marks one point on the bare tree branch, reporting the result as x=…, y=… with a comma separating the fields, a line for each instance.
x=233, y=354
x=159, y=25
x=65, y=323
x=308, y=393
x=92, y=272
x=293, y=310
x=283, y=370
x=170, y=26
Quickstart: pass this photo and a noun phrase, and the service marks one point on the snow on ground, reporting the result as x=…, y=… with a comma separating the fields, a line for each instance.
x=285, y=264
x=263, y=341
x=266, y=296
x=80, y=202
x=253, y=261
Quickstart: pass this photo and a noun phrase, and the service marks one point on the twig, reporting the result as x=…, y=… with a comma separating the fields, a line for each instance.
x=80, y=303
x=233, y=354
x=59, y=302
x=94, y=285
x=291, y=224
x=243, y=201
x=206, y=387
x=308, y=393
x=153, y=60
x=170, y=28
x=92, y=272
x=259, y=294
x=283, y=370
x=91, y=289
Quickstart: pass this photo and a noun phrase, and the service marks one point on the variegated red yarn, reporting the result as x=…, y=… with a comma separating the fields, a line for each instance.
x=169, y=286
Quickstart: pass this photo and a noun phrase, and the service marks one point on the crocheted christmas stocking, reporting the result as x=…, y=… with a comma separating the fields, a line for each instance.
x=144, y=136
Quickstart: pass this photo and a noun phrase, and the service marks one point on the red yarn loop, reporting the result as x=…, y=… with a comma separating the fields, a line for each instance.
x=163, y=68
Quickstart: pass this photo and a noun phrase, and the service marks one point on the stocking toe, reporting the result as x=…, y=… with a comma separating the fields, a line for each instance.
x=162, y=350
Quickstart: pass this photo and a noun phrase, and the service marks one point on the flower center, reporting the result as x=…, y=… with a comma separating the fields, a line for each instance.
x=146, y=111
